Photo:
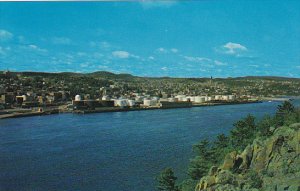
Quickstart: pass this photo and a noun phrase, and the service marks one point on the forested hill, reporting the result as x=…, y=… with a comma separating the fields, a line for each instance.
x=105, y=74
x=127, y=83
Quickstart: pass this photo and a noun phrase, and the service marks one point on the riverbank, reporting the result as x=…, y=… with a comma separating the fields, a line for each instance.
x=276, y=98
x=28, y=114
x=21, y=113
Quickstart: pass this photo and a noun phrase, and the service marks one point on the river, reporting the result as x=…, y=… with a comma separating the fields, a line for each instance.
x=121, y=151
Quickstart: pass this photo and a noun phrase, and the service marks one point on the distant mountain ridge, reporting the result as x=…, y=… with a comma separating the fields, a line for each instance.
x=106, y=74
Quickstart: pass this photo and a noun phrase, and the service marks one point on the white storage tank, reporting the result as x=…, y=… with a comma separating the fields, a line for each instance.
x=209, y=98
x=192, y=98
x=24, y=97
x=77, y=98
x=106, y=98
x=131, y=103
x=231, y=97
x=225, y=97
x=199, y=99
x=120, y=103
x=185, y=99
x=138, y=98
x=217, y=97
x=171, y=99
x=206, y=98
x=155, y=98
x=180, y=97
x=148, y=102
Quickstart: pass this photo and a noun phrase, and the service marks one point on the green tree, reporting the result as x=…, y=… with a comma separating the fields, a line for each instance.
x=221, y=141
x=283, y=113
x=198, y=167
x=264, y=126
x=202, y=148
x=286, y=107
x=243, y=133
x=220, y=148
x=167, y=180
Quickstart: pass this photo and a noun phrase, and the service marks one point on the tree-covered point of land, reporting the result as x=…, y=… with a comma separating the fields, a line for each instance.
x=211, y=153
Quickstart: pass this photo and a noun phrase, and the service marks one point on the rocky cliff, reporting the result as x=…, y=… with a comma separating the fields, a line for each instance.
x=271, y=164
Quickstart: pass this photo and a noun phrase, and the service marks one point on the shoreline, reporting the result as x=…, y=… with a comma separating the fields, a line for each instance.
x=114, y=109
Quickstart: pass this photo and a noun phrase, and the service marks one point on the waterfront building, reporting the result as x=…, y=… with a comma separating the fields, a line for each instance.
x=218, y=97
x=225, y=97
x=120, y=103
x=231, y=97
x=106, y=98
x=199, y=99
x=77, y=98
x=150, y=103
x=171, y=99
x=180, y=97
x=131, y=103
x=7, y=98
x=20, y=99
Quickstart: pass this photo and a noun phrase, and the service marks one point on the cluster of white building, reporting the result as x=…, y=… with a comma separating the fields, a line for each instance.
x=201, y=99
x=148, y=101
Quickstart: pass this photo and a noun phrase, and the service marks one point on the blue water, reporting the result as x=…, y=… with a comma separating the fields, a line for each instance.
x=121, y=151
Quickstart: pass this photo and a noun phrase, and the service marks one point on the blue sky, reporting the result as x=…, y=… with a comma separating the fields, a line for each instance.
x=169, y=38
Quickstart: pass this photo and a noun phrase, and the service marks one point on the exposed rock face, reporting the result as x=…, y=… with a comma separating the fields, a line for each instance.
x=270, y=165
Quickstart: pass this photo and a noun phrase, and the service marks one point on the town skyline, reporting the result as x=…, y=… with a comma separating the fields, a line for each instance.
x=152, y=39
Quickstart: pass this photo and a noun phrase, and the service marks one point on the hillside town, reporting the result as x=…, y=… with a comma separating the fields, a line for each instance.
x=42, y=92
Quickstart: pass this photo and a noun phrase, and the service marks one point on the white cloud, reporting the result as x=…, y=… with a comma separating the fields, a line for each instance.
x=151, y=58
x=161, y=50
x=233, y=48
x=254, y=65
x=34, y=47
x=5, y=35
x=124, y=54
x=121, y=54
x=164, y=68
x=164, y=50
x=174, y=50
x=102, y=67
x=219, y=63
x=4, y=50
x=134, y=56
x=84, y=65
x=105, y=45
x=102, y=45
x=61, y=40
x=196, y=59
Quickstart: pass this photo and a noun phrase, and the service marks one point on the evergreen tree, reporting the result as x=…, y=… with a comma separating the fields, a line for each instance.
x=243, y=133
x=202, y=148
x=167, y=180
x=198, y=168
x=200, y=165
x=286, y=107
x=264, y=126
x=284, y=112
